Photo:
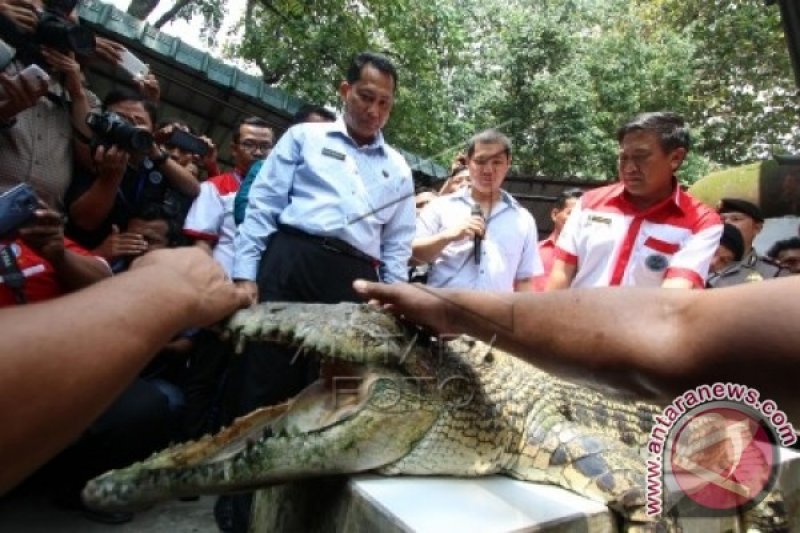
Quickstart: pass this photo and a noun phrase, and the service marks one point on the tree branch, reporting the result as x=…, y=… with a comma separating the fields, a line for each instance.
x=171, y=13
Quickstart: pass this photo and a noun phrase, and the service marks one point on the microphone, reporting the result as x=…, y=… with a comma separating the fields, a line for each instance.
x=476, y=211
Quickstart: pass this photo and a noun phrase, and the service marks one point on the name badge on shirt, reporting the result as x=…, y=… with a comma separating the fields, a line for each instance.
x=600, y=220
x=333, y=153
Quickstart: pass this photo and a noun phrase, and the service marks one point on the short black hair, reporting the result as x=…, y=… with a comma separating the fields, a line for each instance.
x=378, y=61
x=732, y=239
x=566, y=194
x=169, y=121
x=791, y=243
x=249, y=121
x=670, y=127
x=307, y=110
x=150, y=211
x=490, y=136
x=124, y=94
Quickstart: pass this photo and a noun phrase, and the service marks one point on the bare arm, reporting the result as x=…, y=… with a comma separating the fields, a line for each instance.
x=54, y=379
x=651, y=342
x=561, y=275
x=92, y=207
x=178, y=176
x=522, y=285
x=45, y=234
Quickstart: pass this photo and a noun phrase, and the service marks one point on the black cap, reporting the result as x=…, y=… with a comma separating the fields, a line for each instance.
x=737, y=205
x=732, y=240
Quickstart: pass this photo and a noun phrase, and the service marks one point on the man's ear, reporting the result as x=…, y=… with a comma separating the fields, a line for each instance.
x=344, y=90
x=677, y=157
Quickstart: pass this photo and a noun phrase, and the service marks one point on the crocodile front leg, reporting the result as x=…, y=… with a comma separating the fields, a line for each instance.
x=590, y=464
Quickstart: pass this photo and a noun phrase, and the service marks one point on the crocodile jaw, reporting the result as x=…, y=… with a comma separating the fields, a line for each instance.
x=312, y=435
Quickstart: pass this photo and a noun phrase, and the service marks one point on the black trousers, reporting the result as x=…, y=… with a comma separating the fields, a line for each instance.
x=209, y=387
x=292, y=269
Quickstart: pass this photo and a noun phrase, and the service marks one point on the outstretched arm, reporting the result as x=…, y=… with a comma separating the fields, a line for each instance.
x=66, y=360
x=654, y=343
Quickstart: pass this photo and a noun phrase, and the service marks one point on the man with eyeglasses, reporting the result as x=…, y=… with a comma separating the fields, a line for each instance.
x=644, y=230
x=210, y=220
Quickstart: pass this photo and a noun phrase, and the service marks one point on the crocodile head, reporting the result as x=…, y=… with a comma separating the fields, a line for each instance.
x=340, y=424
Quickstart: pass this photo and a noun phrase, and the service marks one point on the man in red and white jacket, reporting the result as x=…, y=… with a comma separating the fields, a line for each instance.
x=210, y=220
x=643, y=231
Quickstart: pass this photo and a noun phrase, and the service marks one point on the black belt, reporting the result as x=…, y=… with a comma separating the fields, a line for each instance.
x=331, y=243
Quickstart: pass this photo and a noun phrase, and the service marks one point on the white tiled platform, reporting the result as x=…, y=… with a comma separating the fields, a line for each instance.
x=369, y=503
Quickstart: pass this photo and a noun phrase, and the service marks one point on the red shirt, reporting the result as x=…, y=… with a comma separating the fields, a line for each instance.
x=40, y=279
x=547, y=249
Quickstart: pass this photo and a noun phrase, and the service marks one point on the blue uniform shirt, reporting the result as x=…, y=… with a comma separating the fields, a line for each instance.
x=317, y=179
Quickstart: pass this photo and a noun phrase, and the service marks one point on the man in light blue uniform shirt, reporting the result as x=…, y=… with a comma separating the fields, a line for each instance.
x=331, y=204
x=321, y=182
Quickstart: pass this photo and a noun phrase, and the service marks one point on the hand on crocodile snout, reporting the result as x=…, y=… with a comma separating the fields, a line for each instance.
x=412, y=302
x=209, y=294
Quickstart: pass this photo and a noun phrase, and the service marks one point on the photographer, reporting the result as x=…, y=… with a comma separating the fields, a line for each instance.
x=40, y=264
x=37, y=114
x=131, y=170
x=189, y=150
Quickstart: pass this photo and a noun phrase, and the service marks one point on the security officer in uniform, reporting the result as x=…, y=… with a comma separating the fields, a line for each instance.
x=747, y=217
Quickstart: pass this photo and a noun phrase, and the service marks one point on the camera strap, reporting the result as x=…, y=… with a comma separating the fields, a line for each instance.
x=12, y=275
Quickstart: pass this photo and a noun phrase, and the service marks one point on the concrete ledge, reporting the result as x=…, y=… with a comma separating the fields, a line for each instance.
x=367, y=503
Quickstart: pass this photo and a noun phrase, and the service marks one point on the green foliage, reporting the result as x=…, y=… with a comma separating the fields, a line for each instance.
x=743, y=95
x=559, y=76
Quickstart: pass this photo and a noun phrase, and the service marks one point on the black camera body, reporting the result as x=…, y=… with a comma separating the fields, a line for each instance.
x=58, y=32
x=17, y=206
x=110, y=128
x=187, y=142
x=54, y=29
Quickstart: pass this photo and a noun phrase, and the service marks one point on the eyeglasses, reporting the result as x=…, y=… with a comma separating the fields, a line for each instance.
x=252, y=146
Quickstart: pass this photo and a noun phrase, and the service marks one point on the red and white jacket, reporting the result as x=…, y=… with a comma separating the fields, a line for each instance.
x=613, y=243
x=211, y=216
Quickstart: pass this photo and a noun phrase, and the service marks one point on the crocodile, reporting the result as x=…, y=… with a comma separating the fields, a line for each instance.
x=396, y=402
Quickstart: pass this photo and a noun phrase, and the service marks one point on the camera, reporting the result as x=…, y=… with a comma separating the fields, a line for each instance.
x=186, y=142
x=17, y=206
x=54, y=29
x=57, y=31
x=110, y=128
